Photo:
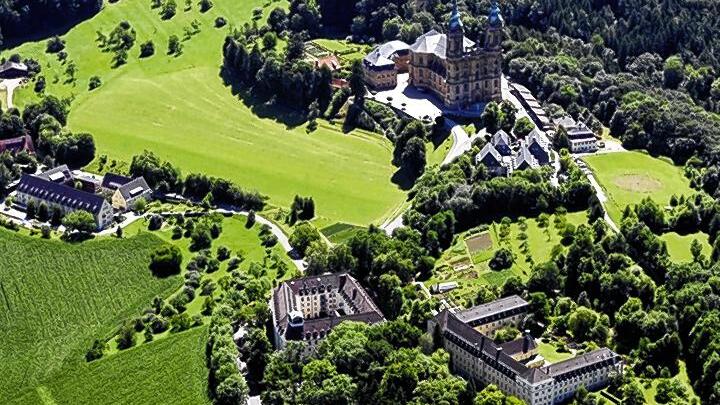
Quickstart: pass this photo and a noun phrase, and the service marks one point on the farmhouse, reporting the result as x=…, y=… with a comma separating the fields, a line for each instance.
x=13, y=70
x=51, y=190
x=514, y=366
x=498, y=156
x=456, y=69
x=129, y=193
x=306, y=309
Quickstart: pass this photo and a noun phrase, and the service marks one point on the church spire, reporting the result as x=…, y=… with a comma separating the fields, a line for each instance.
x=455, y=21
x=495, y=18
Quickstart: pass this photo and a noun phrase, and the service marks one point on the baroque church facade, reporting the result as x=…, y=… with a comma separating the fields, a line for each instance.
x=457, y=70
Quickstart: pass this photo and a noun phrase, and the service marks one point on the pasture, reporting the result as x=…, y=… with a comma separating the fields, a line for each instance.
x=178, y=107
x=56, y=298
x=166, y=371
x=628, y=177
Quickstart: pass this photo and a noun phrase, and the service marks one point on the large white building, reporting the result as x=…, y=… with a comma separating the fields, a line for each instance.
x=467, y=336
x=306, y=309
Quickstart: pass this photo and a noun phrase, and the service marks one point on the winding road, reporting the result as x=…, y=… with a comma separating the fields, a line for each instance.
x=282, y=238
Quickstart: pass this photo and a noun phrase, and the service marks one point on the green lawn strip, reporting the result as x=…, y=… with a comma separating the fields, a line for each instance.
x=628, y=177
x=551, y=353
x=179, y=108
x=679, y=245
x=58, y=297
x=166, y=371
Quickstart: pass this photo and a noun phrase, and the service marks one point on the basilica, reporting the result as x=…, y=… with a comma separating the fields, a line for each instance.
x=449, y=65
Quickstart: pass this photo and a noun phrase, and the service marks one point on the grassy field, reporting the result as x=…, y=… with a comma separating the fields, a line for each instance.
x=55, y=298
x=167, y=371
x=470, y=268
x=179, y=108
x=345, y=50
x=681, y=375
x=551, y=354
x=235, y=236
x=679, y=245
x=628, y=177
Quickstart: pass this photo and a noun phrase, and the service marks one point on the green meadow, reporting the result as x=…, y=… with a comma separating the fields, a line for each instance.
x=56, y=298
x=679, y=245
x=629, y=177
x=179, y=108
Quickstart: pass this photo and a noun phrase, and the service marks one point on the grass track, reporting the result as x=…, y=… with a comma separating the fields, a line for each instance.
x=179, y=108
x=58, y=297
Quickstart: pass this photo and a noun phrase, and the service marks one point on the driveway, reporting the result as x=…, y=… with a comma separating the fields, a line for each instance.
x=10, y=85
x=600, y=193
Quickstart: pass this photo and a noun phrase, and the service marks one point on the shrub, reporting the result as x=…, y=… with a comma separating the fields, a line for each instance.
x=205, y=5
x=155, y=222
x=166, y=260
x=94, y=83
x=147, y=49
x=168, y=10
x=126, y=336
x=55, y=45
x=96, y=351
x=502, y=259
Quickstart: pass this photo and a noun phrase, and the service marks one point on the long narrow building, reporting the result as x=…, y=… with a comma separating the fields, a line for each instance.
x=467, y=336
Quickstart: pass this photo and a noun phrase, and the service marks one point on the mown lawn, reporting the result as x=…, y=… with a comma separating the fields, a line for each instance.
x=169, y=371
x=179, y=108
x=679, y=245
x=628, y=177
x=56, y=298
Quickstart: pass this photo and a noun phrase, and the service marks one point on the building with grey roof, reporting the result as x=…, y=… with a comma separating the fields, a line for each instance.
x=582, y=139
x=306, y=309
x=460, y=72
x=532, y=106
x=13, y=70
x=382, y=65
x=127, y=194
x=501, y=142
x=50, y=189
x=467, y=335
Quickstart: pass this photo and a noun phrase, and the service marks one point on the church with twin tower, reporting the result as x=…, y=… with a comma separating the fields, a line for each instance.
x=457, y=70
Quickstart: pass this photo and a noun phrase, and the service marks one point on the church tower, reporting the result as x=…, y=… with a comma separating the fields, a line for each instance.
x=456, y=34
x=493, y=33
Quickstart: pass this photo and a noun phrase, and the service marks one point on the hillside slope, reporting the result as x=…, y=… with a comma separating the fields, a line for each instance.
x=178, y=107
x=56, y=298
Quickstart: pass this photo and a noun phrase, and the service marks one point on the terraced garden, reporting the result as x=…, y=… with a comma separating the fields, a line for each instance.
x=467, y=261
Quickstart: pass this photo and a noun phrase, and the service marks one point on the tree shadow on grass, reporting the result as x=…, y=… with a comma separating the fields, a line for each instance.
x=41, y=31
x=404, y=179
x=289, y=117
